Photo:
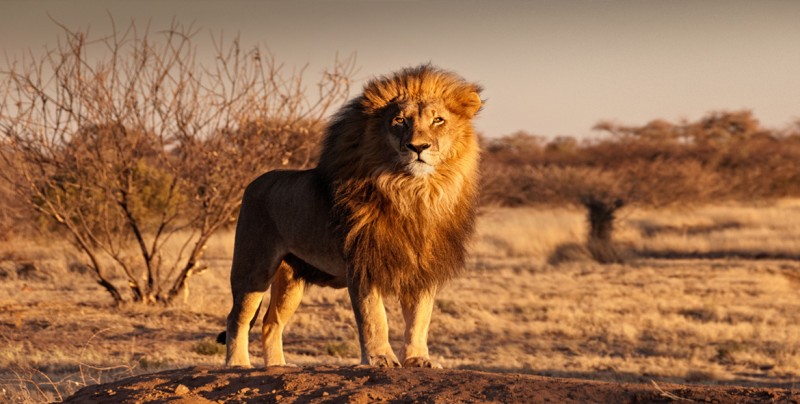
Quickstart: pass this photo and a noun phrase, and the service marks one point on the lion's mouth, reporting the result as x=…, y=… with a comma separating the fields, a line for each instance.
x=419, y=167
x=416, y=158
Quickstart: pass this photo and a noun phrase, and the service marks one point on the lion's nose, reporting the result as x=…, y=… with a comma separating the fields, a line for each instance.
x=418, y=148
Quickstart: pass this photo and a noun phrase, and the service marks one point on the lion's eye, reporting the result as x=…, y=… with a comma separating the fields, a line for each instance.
x=399, y=120
x=438, y=120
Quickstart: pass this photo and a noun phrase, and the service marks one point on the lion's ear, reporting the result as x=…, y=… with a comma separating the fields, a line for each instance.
x=469, y=103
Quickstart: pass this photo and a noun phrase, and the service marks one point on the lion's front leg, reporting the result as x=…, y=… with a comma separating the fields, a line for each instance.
x=373, y=329
x=417, y=312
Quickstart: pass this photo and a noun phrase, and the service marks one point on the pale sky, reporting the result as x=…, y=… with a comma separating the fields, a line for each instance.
x=548, y=67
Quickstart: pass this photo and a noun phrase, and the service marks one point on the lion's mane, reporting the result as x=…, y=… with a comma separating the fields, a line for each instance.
x=401, y=233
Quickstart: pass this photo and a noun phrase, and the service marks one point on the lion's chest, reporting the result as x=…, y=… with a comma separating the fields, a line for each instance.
x=408, y=227
x=403, y=237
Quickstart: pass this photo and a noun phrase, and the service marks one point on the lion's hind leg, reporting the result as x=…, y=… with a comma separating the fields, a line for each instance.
x=286, y=294
x=250, y=279
x=245, y=307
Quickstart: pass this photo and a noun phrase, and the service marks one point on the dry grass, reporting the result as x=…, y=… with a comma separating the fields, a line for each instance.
x=736, y=231
x=690, y=320
x=525, y=233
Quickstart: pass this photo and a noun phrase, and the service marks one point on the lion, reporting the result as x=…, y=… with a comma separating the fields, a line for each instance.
x=386, y=212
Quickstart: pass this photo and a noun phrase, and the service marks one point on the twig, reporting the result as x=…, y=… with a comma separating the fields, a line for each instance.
x=29, y=380
x=83, y=349
x=668, y=394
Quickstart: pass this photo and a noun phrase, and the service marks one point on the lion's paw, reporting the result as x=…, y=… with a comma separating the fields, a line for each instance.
x=238, y=361
x=384, y=361
x=420, y=362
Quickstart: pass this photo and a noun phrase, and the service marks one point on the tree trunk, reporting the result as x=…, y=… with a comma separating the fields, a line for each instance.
x=601, y=216
x=111, y=289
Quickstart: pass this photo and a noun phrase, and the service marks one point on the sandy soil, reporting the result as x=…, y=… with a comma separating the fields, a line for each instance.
x=361, y=384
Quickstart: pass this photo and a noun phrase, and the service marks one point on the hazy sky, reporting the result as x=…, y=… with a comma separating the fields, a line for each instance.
x=548, y=67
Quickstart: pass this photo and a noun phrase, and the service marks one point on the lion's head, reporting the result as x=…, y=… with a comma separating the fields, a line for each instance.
x=421, y=129
x=411, y=122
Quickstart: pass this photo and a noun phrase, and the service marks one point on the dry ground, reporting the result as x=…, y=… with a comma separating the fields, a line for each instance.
x=681, y=318
x=361, y=384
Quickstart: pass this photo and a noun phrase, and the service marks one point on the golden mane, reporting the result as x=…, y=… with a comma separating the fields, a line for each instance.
x=402, y=233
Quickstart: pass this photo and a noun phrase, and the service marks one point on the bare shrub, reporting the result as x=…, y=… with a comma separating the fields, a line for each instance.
x=127, y=140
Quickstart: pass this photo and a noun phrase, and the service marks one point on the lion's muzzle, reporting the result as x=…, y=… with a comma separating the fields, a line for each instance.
x=418, y=148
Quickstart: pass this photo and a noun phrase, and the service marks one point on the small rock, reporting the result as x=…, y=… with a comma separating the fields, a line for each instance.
x=244, y=390
x=181, y=390
x=279, y=397
x=325, y=394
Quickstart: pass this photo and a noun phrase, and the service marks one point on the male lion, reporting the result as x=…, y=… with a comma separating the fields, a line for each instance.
x=386, y=212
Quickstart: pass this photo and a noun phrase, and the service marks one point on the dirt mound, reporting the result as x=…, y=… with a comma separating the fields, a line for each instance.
x=360, y=384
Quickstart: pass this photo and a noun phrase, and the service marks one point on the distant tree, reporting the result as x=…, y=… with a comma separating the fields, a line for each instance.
x=724, y=126
x=140, y=153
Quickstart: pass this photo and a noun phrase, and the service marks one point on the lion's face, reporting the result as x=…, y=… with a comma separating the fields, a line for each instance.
x=421, y=133
x=415, y=124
